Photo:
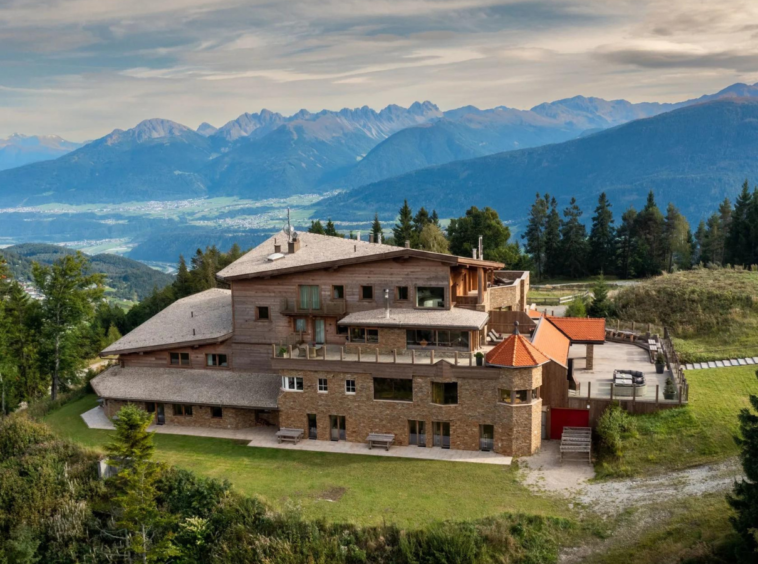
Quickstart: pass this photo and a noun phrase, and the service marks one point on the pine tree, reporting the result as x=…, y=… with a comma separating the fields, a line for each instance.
x=434, y=218
x=331, y=230
x=420, y=221
x=553, y=239
x=626, y=243
x=183, y=280
x=601, y=305
x=744, y=497
x=737, y=240
x=131, y=450
x=403, y=230
x=376, y=229
x=574, y=245
x=535, y=234
x=316, y=228
x=649, y=232
x=602, y=238
x=701, y=240
x=676, y=239
x=70, y=294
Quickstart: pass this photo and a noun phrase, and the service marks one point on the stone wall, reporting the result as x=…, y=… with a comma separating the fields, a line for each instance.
x=478, y=404
x=232, y=418
x=504, y=297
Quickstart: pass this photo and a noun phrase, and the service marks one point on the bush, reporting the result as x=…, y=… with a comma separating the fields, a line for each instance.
x=18, y=433
x=614, y=426
x=577, y=308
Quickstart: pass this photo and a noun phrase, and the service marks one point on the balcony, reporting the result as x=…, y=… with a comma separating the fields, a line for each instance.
x=291, y=306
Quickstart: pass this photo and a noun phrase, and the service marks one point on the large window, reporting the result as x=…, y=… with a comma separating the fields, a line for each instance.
x=393, y=389
x=182, y=410
x=216, y=360
x=292, y=383
x=437, y=338
x=180, y=359
x=445, y=393
x=430, y=296
x=361, y=335
x=310, y=297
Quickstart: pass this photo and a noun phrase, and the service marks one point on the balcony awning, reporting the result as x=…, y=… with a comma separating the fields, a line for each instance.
x=455, y=318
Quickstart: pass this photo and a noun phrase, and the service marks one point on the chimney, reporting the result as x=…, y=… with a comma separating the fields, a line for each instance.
x=277, y=247
x=294, y=245
x=379, y=238
x=370, y=237
x=515, y=328
x=473, y=253
x=358, y=236
x=481, y=248
x=386, y=303
x=407, y=244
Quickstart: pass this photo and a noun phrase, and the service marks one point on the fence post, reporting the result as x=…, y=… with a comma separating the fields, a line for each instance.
x=681, y=389
x=342, y=353
x=377, y=354
x=634, y=392
x=273, y=350
x=431, y=357
x=359, y=354
x=456, y=358
x=612, y=385
x=289, y=350
x=656, y=393
x=413, y=356
x=394, y=356
x=307, y=352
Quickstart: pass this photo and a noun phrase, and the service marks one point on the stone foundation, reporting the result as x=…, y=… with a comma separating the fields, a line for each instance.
x=232, y=417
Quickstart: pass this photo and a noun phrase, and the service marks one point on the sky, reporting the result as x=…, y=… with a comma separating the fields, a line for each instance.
x=81, y=68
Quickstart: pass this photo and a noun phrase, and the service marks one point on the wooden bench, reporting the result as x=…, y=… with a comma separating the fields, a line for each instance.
x=379, y=439
x=290, y=435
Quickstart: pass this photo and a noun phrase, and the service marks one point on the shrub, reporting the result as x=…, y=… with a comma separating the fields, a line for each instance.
x=18, y=433
x=577, y=308
x=614, y=426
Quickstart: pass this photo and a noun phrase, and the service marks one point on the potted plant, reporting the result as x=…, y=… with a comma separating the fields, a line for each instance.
x=669, y=391
x=660, y=362
x=479, y=358
x=282, y=351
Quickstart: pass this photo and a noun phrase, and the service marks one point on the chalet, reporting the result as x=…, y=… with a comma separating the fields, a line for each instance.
x=342, y=339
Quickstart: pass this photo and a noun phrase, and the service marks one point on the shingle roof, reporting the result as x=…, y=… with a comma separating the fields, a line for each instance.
x=516, y=352
x=319, y=251
x=205, y=317
x=180, y=385
x=581, y=329
x=456, y=318
x=551, y=341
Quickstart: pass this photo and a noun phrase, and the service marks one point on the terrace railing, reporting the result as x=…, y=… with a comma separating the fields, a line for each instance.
x=359, y=354
x=290, y=306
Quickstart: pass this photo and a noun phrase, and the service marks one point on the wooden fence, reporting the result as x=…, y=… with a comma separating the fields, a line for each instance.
x=502, y=322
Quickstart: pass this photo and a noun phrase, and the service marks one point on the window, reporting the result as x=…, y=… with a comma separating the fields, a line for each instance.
x=312, y=426
x=486, y=437
x=518, y=396
x=300, y=326
x=505, y=396
x=429, y=337
x=430, y=296
x=349, y=386
x=372, y=335
x=216, y=360
x=261, y=313
x=182, y=359
x=292, y=383
x=182, y=410
x=217, y=413
x=310, y=297
x=150, y=407
x=445, y=393
x=535, y=393
x=522, y=396
x=323, y=385
x=342, y=330
x=393, y=389
x=361, y=335
x=367, y=292
x=401, y=293
x=338, y=292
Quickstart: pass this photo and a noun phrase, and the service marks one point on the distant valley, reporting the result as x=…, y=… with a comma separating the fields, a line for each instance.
x=365, y=161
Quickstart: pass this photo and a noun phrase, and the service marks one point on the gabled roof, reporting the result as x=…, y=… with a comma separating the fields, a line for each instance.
x=549, y=339
x=516, y=352
x=581, y=329
x=323, y=251
x=455, y=318
x=182, y=385
x=534, y=314
x=200, y=319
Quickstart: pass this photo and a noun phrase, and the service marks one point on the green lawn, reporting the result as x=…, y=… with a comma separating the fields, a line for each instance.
x=700, y=433
x=338, y=487
x=739, y=341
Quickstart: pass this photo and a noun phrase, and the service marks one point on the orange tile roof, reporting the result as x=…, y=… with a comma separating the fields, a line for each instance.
x=533, y=313
x=551, y=341
x=516, y=351
x=581, y=329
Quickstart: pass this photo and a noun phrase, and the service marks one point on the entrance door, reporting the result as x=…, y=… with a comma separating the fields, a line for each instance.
x=486, y=437
x=312, y=427
x=320, y=336
x=417, y=433
x=337, y=427
x=441, y=433
x=161, y=414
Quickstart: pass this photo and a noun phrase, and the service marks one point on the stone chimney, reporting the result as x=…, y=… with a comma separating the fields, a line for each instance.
x=294, y=245
x=407, y=244
x=370, y=237
x=277, y=247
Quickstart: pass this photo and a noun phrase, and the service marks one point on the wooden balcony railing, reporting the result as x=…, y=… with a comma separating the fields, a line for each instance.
x=290, y=306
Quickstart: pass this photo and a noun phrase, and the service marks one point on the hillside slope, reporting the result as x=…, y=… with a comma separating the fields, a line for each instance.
x=694, y=156
x=128, y=279
x=18, y=150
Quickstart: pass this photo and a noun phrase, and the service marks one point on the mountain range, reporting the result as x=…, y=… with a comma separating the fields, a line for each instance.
x=266, y=154
x=18, y=150
x=693, y=156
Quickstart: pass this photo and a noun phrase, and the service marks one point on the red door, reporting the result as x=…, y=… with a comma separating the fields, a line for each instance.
x=561, y=417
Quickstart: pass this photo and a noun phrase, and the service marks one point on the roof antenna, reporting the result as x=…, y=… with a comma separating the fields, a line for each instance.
x=515, y=328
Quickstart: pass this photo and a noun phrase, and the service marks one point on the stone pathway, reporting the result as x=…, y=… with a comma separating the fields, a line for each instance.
x=722, y=363
x=264, y=437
